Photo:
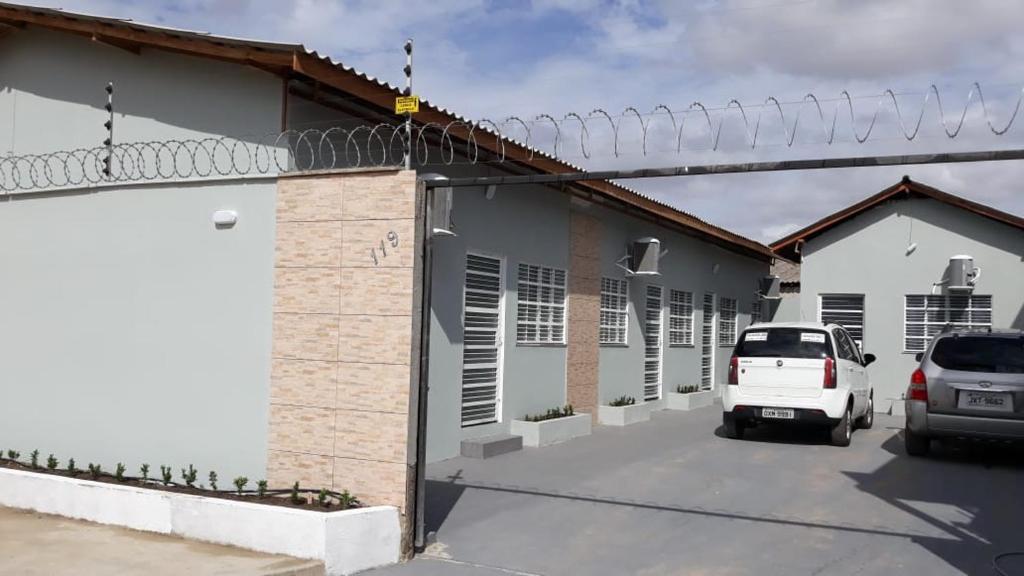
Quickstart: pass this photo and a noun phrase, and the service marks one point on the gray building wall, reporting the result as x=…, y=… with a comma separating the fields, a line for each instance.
x=787, y=308
x=868, y=255
x=135, y=331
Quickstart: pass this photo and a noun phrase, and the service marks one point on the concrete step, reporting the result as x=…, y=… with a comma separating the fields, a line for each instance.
x=489, y=446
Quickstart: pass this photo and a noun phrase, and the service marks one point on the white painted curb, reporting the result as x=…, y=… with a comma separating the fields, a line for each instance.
x=690, y=400
x=347, y=541
x=552, y=431
x=624, y=415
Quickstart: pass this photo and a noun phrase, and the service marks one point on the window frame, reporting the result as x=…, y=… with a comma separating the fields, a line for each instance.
x=540, y=285
x=723, y=322
x=620, y=313
x=946, y=308
x=672, y=317
x=863, y=314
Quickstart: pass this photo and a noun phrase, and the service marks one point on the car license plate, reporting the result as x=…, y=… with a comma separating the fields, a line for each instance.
x=783, y=413
x=977, y=400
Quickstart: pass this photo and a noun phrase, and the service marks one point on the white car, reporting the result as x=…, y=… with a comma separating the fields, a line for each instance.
x=805, y=372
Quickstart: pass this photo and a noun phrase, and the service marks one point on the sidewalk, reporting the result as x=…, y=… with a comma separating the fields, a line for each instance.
x=34, y=544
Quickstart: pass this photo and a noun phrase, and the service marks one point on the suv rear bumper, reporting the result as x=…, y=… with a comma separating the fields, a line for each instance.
x=924, y=423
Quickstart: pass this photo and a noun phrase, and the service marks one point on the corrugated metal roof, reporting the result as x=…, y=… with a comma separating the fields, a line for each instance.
x=682, y=217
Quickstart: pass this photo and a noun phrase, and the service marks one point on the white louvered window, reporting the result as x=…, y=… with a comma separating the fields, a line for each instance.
x=481, y=337
x=726, y=321
x=680, y=318
x=926, y=315
x=652, y=343
x=614, y=311
x=847, y=310
x=541, y=310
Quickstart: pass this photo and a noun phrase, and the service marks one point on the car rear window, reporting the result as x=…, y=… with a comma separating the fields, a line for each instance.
x=980, y=354
x=784, y=343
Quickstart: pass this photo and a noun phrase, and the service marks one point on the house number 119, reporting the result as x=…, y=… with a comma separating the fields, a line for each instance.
x=392, y=239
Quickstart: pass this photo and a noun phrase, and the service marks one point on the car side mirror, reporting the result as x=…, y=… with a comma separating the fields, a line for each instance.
x=869, y=358
x=919, y=356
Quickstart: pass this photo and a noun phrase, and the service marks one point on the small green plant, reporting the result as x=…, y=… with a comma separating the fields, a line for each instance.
x=51, y=463
x=144, y=469
x=261, y=489
x=72, y=469
x=213, y=480
x=623, y=401
x=322, y=498
x=189, y=475
x=551, y=414
x=95, y=470
x=240, y=483
x=119, y=472
x=13, y=454
x=347, y=500
x=687, y=389
x=34, y=458
x=296, y=499
x=165, y=475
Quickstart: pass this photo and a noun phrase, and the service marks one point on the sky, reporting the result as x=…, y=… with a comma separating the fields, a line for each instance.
x=495, y=59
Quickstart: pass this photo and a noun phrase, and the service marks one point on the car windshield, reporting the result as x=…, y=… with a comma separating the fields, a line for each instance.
x=980, y=354
x=784, y=343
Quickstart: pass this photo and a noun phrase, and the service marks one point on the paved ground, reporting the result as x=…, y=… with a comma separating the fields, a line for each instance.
x=673, y=496
x=36, y=545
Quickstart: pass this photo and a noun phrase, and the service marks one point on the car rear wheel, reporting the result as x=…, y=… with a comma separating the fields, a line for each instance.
x=733, y=428
x=916, y=444
x=843, y=430
x=868, y=419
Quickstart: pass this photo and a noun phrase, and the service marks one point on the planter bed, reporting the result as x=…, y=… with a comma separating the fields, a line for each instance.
x=551, y=431
x=624, y=415
x=347, y=541
x=690, y=400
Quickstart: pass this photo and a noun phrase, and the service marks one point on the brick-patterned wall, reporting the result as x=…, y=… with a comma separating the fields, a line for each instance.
x=584, y=312
x=343, y=324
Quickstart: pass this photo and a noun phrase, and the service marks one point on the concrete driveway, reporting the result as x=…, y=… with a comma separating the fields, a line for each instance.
x=673, y=496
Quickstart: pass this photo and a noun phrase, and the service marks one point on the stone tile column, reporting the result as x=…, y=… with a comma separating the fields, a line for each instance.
x=584, y=311
x=343, y=333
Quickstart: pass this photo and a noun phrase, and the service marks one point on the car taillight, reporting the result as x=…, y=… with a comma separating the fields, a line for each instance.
x=829, y=380
x=734, y=370
x=918, y=386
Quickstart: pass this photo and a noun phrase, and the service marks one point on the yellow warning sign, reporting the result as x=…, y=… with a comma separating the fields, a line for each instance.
x=407, y=104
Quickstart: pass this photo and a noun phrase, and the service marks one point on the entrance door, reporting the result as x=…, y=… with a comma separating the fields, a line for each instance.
x=482, y=338
x=707, y=343
x=652, y=344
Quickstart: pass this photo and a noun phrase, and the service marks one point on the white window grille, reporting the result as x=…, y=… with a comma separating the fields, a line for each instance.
x=652, y=344
x=614, y=311
x=540, y=317
x=726, y=321
x=680, y=318
x=926, y=315
x=847, y=310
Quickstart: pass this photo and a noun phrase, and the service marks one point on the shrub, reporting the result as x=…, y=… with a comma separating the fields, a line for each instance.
x=51, y=462
x=95, y=470
x=13, y=454
x=144, y=469
x=551, y=414
x=165, y=474
x=296, y=499
x=189, y=475
x=623, y=401
x=72, y=469
x=213, y=480
x=119, y=472
x=687, y=389
x=347, y=500
x=240, y=483
x=321, y=498
x=261, y=489
x=34, y=459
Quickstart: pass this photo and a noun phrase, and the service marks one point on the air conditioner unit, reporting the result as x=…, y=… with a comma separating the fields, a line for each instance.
x=963, y=274
x=769, y=287
x=642, y=257
x=441, y=223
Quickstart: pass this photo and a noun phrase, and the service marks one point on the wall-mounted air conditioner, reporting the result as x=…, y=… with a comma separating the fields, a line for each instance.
x=962, y=273
x=642, y=258
x=769, y=287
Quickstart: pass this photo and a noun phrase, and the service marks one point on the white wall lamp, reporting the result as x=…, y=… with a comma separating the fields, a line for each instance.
x=225, y=218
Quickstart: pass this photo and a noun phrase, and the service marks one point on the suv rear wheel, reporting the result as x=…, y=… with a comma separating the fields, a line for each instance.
x=843, y=430
x=868, y=419
x=916, y=444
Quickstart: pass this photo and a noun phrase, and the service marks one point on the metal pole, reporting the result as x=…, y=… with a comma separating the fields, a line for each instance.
x=705, y=169
x=408, y=115
x=420, y=512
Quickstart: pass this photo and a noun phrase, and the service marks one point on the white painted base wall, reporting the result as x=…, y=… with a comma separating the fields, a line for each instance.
x=624, y=415
x=347, y=541
x=690, y=401
x=553, y=431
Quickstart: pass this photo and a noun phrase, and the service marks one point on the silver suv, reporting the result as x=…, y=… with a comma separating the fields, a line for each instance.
x=969, y=384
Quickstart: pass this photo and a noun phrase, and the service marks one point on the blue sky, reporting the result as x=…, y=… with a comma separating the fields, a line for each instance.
x=493, y=59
